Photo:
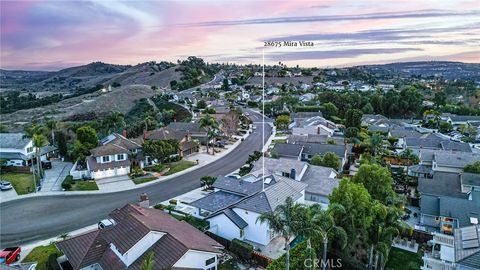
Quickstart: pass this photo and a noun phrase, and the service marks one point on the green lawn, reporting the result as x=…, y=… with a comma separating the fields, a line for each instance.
x=179, y=166
x=279, y=141
x=21, y=182
x=143, y=180
x=84, y=186
x=399, y=259
x=40, y=255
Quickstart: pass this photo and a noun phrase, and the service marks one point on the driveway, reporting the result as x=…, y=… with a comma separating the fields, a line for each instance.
x=8, y=195
x=54, y=177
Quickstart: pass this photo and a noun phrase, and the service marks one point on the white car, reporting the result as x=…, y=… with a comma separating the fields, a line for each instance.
x=106, y=223
x=5, y=185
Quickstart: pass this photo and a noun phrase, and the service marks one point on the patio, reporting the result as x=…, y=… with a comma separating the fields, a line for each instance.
x=275, y=249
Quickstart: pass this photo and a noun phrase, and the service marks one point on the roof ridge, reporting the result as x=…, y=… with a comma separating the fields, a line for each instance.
x=97, y=232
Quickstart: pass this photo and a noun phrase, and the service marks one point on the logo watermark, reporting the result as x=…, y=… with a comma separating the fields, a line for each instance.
x=319, y=263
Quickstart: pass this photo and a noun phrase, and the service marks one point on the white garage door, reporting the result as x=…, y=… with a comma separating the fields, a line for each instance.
x=122, y=171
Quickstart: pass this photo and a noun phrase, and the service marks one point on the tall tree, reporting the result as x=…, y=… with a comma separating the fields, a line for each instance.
x=331, y=160
x=282, y=121
x=285, y=220
x=39, y=141
x=149, y=262
x=353, y=118
x=51, y=124
x=87, y=136
x=211, y=125
x=377, y=180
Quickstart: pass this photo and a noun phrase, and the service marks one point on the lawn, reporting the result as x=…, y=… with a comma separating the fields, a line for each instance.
x=40, y=255
x=399, y=259
x=84, y=186
x=21, y=182
x=142, y=180
x=179, y=166
x=279, y=141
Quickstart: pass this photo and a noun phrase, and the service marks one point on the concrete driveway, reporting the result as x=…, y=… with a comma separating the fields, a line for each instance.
x=8, y=194
x=54, y=177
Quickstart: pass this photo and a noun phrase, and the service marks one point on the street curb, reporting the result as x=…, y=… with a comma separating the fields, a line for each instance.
x=74, y=193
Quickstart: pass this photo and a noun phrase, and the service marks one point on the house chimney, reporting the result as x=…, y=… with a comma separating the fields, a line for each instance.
x=144, y=201
x=293, y=174
x=124, y=133
x=144, y=134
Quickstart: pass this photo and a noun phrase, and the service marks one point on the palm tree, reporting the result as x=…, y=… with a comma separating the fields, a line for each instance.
x=285, y=220
x=51, y=124
x=149, y=122
x=321, y=224
x=114, y=120
x=211, y=125
x=39, y=141
x=149, y=262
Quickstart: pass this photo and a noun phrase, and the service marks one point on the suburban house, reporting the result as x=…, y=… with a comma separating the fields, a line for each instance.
x=138, y=232
x=234, y=207
x=315, y=138
x=457, y=120
x=305, y=151
x=444, y=161
x=196, y=132
x=321, y=181
x=375, y=120
x=460, y=251
x=114, y=157
x=449, y=200
x=187, y=145
x=18, y=151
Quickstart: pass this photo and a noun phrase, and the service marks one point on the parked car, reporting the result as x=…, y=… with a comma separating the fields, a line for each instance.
x=5, y=185
x=10, y=255
x=106, y=223
x=46, y=164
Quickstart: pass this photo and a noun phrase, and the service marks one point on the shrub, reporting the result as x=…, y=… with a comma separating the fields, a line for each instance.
x=68, y=182
x=173, y=201
x=159, y=206
x=52, y=263
x=241, y=249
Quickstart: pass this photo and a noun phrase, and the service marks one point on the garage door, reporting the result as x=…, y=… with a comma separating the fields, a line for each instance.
x=122, y=171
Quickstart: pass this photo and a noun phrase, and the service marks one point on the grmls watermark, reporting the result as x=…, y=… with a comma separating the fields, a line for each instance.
x=318, y=263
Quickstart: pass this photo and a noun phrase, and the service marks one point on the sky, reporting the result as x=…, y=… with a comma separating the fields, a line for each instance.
x=51, y=35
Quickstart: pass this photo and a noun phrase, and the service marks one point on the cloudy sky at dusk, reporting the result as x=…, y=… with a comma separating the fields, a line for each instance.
x=50, y=35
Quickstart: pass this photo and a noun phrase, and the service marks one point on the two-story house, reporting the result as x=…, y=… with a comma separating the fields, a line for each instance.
x=137, y=233
x=114, y=157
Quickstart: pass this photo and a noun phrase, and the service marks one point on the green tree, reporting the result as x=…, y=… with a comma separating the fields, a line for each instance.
x=51, y=124
x=208, y=180
x=445, y=127
x=377, y=180
x=284, y=220
x=201, y=104
x=351, y=132
x=149, y=262
x=150, y=122
x=211, y=125
x=114, y=121
x=368, y=108
x=87, y=136
x=331, y=160
x=62, y=143
x=3, y=129
x=319, y=224
x=316, y=160
x=440, y=99
x=282, y=122
x=353, y=118
x=357, y=203
x=392, y=140
x=39, y=141
x=329, y=110
x=472, y=168
x=161, y=149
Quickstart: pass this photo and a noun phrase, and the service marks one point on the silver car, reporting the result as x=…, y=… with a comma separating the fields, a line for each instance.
x=5, y=185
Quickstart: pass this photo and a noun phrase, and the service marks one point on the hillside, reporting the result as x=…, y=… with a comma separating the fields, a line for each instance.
x=426, y=69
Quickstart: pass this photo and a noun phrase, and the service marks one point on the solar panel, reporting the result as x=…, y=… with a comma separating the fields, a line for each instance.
x=470, y=244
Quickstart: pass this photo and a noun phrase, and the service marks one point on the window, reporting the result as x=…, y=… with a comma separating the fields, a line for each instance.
x=284, y=174
x=120, y=157
x=105, y=158
x=210, y=261
x=242, y=232
x=30, y=149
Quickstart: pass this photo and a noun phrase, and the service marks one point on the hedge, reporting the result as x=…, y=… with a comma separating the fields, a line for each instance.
x=68, y=182
x=241, y=249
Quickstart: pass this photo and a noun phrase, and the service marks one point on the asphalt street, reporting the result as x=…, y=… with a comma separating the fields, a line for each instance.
x=38, y=218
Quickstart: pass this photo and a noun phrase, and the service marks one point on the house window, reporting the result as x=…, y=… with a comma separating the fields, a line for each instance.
x=105, y=158
x=210, y=261
x=120, y=157
x=284, y=174
x=30, y=149
x=242, y=232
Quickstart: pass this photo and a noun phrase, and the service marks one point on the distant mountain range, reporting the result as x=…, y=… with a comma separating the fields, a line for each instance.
x=425, y=69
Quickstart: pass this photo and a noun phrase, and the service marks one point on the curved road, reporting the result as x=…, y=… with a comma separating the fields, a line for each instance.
x=37, y=218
